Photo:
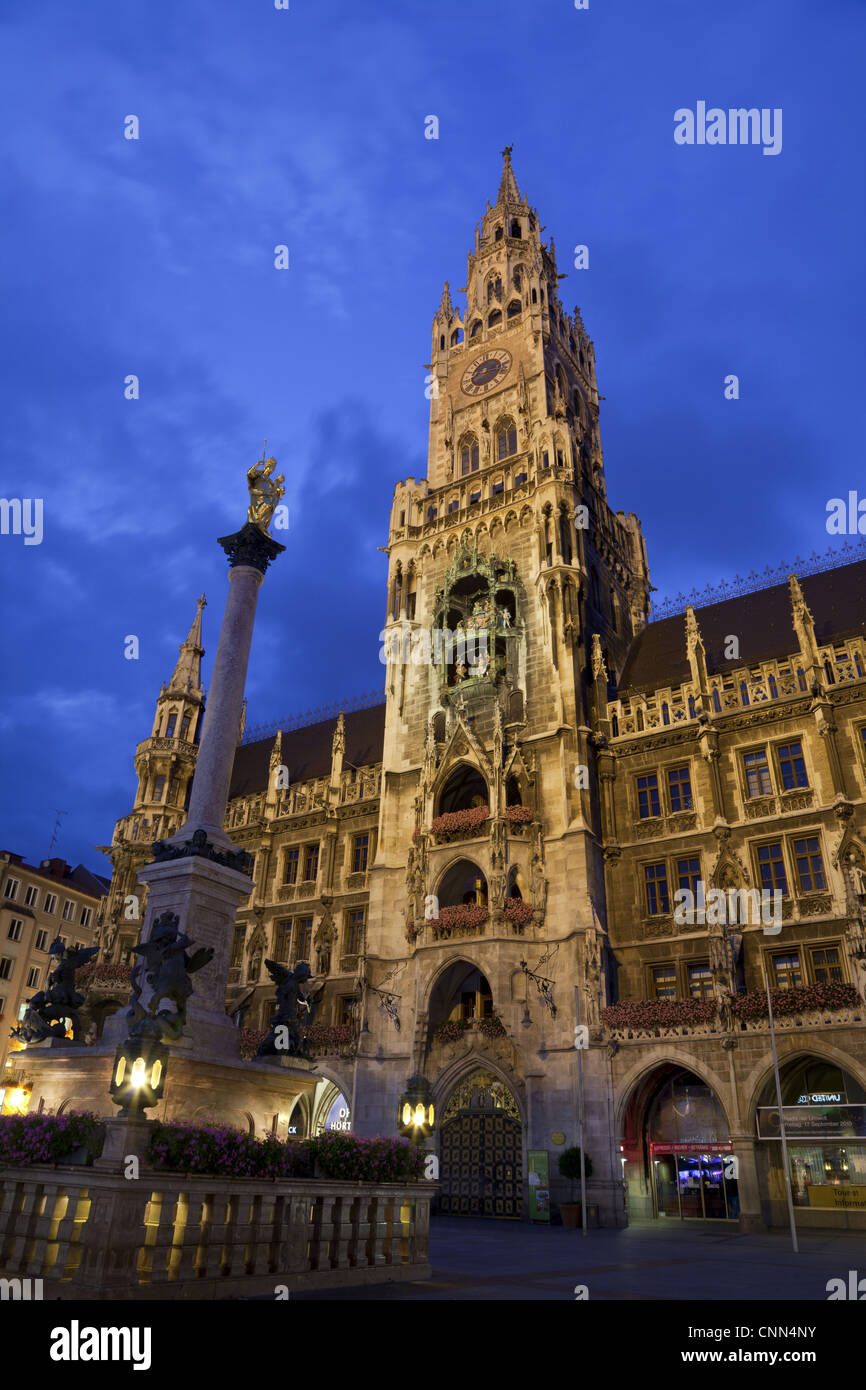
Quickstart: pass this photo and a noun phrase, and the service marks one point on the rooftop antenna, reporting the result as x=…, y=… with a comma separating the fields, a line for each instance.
x=58, y=814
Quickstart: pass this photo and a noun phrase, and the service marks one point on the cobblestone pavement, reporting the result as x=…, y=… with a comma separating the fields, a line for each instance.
x=474, y=1259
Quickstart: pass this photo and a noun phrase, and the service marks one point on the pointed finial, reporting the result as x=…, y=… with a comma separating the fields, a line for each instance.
x=445, y=308
x=508, y=189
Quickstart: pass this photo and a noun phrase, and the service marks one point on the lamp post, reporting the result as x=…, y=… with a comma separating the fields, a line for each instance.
x=785, y=1165
x=415, y=1111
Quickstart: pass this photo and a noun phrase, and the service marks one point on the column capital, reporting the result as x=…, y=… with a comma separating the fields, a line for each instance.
x=251, y=546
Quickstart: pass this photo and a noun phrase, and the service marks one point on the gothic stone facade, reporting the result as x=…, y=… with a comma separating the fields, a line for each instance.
x=489, y=859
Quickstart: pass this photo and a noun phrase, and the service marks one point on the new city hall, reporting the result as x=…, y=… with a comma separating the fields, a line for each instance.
x=484, y=868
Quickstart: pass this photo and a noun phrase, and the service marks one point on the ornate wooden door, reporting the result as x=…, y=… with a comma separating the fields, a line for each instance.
x=481, y=1151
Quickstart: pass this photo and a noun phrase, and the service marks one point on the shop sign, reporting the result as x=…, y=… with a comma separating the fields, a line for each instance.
x=813, y=1122
x=713, y=1147
x=840, y=1197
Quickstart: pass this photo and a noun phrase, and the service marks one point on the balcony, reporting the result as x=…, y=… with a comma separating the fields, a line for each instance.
x=833, y=1005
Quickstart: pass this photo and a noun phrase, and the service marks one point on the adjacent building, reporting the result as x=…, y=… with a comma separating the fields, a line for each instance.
x=38, y=904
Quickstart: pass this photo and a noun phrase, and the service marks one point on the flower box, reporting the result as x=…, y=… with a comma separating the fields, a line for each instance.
x=518, y=912
x=658, y=1013
x=459, y=825
x=518, y=816
x=462, y=918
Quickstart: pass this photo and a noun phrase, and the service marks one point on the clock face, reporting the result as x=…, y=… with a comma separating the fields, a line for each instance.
x=485, y=371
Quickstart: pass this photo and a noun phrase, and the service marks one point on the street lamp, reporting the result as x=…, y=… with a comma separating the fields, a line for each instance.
x=415, y=1109
x=138, y=1079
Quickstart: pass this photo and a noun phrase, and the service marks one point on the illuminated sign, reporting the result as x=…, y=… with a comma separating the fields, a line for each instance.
x=341, y=1120
x=821, y=1098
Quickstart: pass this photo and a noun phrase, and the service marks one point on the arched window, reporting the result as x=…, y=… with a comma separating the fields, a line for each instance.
x=441, y=342
x=465, y=790
x=494, y=288
x=801, y=679
x=497, y=235
x=506, y=439
x=828, y=672
x=469, y=456
x=535, y=296
x=170, y=725
x=475, y=329
x=431, y=514
x=614, y=724
x=456, y=336
x=513, y=309
x=517, y=278
x=666, y=714
x=640, y=721
x=494, y=318
x=774, y=690
x=717, y=704
x=515, y=228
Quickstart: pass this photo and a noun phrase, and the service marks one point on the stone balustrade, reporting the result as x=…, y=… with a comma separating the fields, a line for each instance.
x=90, y=1234
x=784, y=1023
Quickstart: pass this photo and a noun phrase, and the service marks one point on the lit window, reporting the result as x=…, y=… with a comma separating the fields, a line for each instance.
x=786, y=971
x=656, y=884
x=700, y=981
x=810, y=865
x=664, y=981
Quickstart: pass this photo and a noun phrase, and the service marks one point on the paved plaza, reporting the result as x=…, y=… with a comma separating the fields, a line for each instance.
x=475, y=1259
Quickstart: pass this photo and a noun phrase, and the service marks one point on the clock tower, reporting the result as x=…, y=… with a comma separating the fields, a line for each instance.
x=514, y=593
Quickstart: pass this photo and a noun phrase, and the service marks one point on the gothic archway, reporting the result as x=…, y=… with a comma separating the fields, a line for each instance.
x=481, y=1149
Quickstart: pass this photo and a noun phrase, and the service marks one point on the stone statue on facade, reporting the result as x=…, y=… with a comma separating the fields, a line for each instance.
x=46, y=1013
x=295, y=1011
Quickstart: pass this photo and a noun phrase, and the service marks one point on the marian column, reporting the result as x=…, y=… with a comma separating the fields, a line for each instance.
x=199, y=874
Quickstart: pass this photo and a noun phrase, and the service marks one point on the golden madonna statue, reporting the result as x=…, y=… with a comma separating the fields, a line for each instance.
x=265, y=492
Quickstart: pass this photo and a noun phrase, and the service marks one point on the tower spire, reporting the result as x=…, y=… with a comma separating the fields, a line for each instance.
x=508, y=190
x=187, y=672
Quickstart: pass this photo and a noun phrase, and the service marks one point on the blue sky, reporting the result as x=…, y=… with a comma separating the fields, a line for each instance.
x=306, y=127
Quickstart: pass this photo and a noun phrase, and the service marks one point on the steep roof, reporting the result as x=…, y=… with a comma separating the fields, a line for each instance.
x=307, y=751
x=762, y=621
